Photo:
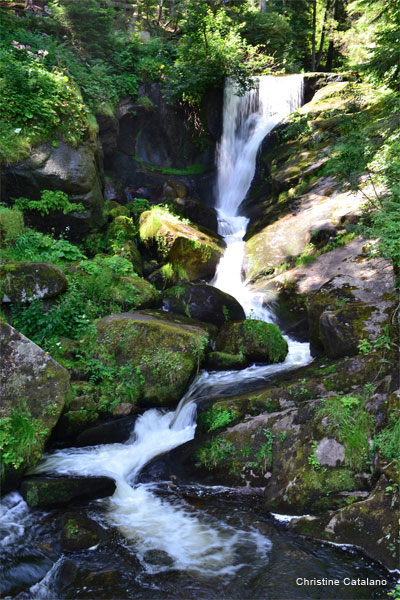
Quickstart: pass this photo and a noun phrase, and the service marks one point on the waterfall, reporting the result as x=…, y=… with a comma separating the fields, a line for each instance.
x=148, y=522
x=246, y=121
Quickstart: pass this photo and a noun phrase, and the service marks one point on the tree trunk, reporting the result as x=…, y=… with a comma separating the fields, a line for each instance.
x=314, y=26
x=263, y=5
x=321, y=42
x=331, y=47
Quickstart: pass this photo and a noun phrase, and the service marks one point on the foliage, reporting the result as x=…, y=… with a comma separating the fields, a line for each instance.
x=216, y=417
x=351, y=423
x=34, y=246
x=213, y=452
x=49, y=201
x=210, y=50
x=11, y=225
x=18, y=436
x=388, y=440
x=263, y=456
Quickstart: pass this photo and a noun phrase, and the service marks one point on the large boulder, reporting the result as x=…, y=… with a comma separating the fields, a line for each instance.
x=196, y=211
x=75, y=171
x=372, y=524
x=203, y=302
x=27, y=281
x=79, y=532
x=193, y=252
x=165, y=351
x=34, y=390
x=346, y=311
x=256, y=340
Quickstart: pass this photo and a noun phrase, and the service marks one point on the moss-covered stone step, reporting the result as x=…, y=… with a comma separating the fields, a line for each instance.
x=56, y=491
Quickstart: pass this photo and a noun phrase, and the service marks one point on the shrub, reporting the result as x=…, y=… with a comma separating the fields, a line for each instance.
x=11, y=225
x=50, y=201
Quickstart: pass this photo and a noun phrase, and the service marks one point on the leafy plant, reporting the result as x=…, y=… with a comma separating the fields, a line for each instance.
x=213, y=452
x=216, y=417
x=50, y=201
x=11, y=225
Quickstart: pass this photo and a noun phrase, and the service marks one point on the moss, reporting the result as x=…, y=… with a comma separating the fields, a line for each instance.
x=175, y=351
x=256, y=340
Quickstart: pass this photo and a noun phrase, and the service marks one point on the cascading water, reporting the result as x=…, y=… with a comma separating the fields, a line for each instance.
x=146, y=521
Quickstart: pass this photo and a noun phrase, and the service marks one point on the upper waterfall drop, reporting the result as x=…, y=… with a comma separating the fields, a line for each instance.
x=246, y=121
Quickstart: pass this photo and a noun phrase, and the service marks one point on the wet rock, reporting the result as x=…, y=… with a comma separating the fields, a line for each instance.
x=116, y=431
x=79, y=532
x=27, y=281
x=57, y=491
x=34, y=391
x=371, y=524
x=123, y=410
x=256, y=340
x=159, y=558
x=203, y=302
x=166, y=350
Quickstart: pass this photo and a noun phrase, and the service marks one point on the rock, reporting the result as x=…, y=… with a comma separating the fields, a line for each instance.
x=166, y=351
x=79, y=532
x=198, y=259
x=346, y=311
x=27, y=281
x=34, y=391
x=55, y=491
x=196, y=212
x=173, y=188
x=203, y=302
x=256, y=340
x=123, y=410
x=74, y=422
x=75, y=171
x=330, y=452
x=193, y=252
x=321, y=232
x=221, y=361
x=116, y=431
x=371, y=525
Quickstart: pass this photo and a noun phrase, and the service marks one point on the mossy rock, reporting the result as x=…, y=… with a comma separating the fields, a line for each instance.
x=203, y=302
x=221, y=361
x=256, y=340
x=41, y=492
x=34, y=391
x=79, y=532
x=167, y=354
x=370, y=524
x=195, y=252
x=346, y=311
x=130, y=252
x=27, y=281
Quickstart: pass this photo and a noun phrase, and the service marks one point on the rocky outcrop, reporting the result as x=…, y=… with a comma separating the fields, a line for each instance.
x=166, y=351
x=34, y=390
x=149, y=141
x=75, y=171
x=26, y=281
x=346, y=311
x=371, y=524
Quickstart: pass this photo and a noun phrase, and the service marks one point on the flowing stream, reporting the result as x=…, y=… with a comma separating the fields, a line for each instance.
x=203, y=544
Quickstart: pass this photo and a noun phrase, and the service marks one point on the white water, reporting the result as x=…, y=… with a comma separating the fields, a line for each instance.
x=146, y=521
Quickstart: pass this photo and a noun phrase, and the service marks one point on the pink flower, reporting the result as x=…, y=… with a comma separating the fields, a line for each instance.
x=29, y=52
x=45, y=52
x=15, y=43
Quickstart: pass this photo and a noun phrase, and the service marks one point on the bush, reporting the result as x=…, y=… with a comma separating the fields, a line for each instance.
x=11, y=225
x=34, y=246
x=50, y=201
